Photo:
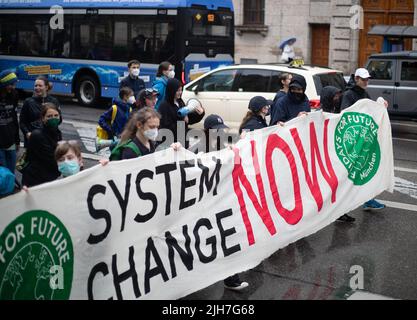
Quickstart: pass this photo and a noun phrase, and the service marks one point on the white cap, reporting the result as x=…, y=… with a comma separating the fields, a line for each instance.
x=363, y=73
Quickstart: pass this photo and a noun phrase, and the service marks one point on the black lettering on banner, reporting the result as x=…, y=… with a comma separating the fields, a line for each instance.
x=122, y=202
x=186, y=184
x=209, y=181
x=185, y=255
x=211, y=240
x=159, y=269
x=145, y=196
x=99, y=267
x=98, y=214
x=131, y=273
x=166, y=169
x=225, y=233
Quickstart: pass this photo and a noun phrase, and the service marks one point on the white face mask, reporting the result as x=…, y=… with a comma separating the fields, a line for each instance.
x=151, y=134
x=135, y=72
x=131, y=100
x=171, y=74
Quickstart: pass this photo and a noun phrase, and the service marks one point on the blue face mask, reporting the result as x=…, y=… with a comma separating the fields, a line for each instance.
x=69, y=167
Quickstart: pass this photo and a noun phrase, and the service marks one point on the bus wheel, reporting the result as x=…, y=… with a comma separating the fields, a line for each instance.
x=87, y=91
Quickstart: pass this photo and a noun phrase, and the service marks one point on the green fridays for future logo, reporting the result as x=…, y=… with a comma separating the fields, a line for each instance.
x=36, y=258
x=356, y=142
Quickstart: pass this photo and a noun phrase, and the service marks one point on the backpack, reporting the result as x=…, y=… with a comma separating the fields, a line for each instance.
x=116, y=153
x=100, y=132
x=7, y=180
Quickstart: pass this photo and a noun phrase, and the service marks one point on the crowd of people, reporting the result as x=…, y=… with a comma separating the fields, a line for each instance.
x=133, y=123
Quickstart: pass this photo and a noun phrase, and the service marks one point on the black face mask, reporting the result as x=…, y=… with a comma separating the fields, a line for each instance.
x=299, y=97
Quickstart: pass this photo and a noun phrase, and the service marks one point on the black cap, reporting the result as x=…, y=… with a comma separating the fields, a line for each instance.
x=214, y=121
x=298, y=82
x=258, y=102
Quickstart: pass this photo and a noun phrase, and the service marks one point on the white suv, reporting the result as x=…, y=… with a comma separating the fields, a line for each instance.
x=226, y=91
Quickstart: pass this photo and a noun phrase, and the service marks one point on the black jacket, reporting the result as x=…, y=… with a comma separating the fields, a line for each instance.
x=169, y=111
x=135, y=84
x=42, y=166
x=326, y=99
x=255, y=122
x=30, y=115
x=9, y=125
x=287, y=108
x=353, y=94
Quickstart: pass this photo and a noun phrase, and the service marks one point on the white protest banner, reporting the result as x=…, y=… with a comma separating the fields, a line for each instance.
x=159, y=227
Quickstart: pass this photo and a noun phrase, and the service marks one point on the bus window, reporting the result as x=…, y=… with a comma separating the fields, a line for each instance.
x=120, y=45
x=33, y=37
x=141, y=42
x=166, y=40
x=101, y=34
x=60, y=43
x=7, y=35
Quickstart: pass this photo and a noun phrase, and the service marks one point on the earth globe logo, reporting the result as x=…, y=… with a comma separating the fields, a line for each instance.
x=36, y=258
x=356, y=143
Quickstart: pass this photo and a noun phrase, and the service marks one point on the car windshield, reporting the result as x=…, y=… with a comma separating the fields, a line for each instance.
x=334, y=79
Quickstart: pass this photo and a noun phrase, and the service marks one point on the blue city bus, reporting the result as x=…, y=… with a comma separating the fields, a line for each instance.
x=83, y=46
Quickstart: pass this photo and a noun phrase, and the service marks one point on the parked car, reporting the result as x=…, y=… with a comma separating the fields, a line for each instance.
x=226, y=91
x=394, y=77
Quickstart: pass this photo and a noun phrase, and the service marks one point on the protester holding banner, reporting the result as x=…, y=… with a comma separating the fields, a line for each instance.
x=356, y=90
x=9, y=125
x=42, y=166
x=330, y=100
x=255, y=117
x=30, y=114
x=170, y=106
x=138, y=137
x=293, y=104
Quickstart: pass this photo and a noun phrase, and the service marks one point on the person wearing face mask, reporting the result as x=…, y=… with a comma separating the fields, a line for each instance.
x=138, y=137
x=165, y=72
x=133, y=81
x=42, y=166
x=255, y=117
x=68, y=158
x=293, y=104
x=114, y=125
x=169, y=110
x=31, y=109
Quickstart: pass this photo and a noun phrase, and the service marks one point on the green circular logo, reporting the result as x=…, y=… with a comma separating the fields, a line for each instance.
x=356, y=142
x=36, y=258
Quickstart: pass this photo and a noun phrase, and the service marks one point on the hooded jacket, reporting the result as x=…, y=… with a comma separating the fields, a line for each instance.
x=353, y=93
x=169, y=110
x=160, y=84
x=326, y=99
x=288, y=107
x=9, y=125
x=30, y=115
x=122, y=116
x=42, y=166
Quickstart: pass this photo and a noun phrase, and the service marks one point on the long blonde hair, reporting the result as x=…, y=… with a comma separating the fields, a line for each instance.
x=142, y=116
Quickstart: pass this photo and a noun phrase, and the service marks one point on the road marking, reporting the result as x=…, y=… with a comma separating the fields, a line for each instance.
x=402, y=139
x=405, y=169
x=91, y=156
x=399, y=205
x=406, y=187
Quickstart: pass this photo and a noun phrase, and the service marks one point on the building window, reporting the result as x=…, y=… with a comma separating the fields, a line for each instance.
x=254, y=12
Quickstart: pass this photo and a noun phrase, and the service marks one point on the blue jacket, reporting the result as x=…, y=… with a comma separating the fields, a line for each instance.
x=135, y=84
x=160, y=84
x=122, y=115
x=287, y=108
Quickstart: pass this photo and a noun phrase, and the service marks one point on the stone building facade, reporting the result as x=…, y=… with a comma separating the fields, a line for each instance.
x=328, y=32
